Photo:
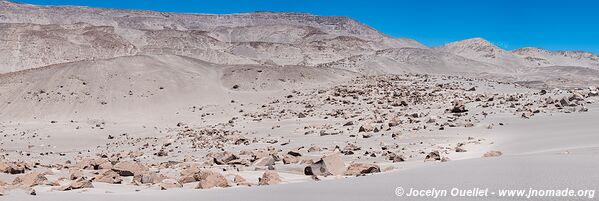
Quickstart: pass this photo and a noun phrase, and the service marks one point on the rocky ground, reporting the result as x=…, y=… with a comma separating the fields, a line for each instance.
x=363, y=126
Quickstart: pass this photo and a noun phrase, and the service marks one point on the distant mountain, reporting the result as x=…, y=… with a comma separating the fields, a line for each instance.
x=540, y=57
x=482, y=50
x=34, y=36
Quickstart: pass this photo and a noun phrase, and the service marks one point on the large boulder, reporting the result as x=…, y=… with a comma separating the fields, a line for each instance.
x=77, y=184
x=129, y=168
x=264, y=161
x=13, y=168
x=360, y=169
x=289, y=159
x=269, y=178
x=330, y=164
x=75, y=174
x=223, y=158
x=30, y=180
x=169, y=184
x=148, y=178
x=108, y=176
x=207, y=178
x=433, y=156
x=458, y=106
x=210, y=179
x=239, y=179
x=188, y=174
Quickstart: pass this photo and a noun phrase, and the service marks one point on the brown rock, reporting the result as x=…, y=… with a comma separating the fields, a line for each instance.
x=289, y=159
x=269, y=178
x=13, y=168
x=105, y=166
x=78, y=184
x=75, y=174
x=212, y=179
x=239, y=179
x=360, y=169
x=194, y=174
x=169, y=184
x=188, y=175
x=264, y=161
x=330, y=164
x=224, y=158
x=30, y=180
x=108, y=176
x=129, y=168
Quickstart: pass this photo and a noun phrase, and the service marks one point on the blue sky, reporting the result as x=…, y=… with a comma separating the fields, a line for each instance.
x=510, y=24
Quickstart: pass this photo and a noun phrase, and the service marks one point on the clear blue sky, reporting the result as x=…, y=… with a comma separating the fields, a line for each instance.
x=555, y=25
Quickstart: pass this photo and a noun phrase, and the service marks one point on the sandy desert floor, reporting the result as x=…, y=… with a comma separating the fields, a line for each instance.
x=352, y=138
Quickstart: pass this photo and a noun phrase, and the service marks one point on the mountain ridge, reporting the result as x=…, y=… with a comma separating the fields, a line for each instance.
x=36, y=36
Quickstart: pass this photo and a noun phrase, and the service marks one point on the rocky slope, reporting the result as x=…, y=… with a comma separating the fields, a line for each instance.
x=36, y=36
x=33, y=35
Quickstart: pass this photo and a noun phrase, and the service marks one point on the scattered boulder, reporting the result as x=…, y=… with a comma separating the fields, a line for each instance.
x=224, y=158
x=433, y=156
x=564, y=102
x=148, y=178
x=289, y=159
x=30, y=180
x=460, y=149
x=108, y=176
x=458, y=106
x=269, y=178
x=239, y=179
x=166, y=184
x=395, y=158
x=93, y=164
x=188, y=175
x=330, y=164
x=211, y=179
x=264, y=161
x=366, y=128
x=293, y=153
x=314, y=149
x=75, y=174
x=13, y=168
x=492, y=154
x=78, y=184
x=361, y=169
x=129, y=168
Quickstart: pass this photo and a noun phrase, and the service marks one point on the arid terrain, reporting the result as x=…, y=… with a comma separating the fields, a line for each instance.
x=100, y=104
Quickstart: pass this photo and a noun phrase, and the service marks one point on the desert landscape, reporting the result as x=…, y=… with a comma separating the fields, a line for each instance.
x=100, y=104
